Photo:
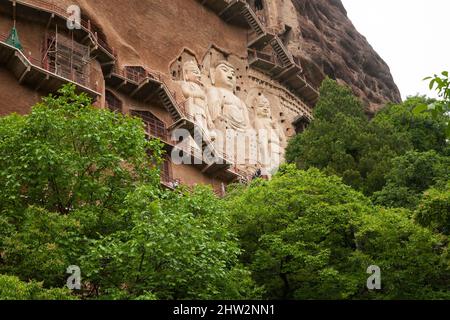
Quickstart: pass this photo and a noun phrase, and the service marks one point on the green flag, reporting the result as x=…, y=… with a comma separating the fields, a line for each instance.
x=13, y=39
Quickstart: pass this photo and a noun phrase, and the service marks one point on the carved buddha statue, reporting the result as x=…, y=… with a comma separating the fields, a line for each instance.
x=227, y=111
x=229, y=114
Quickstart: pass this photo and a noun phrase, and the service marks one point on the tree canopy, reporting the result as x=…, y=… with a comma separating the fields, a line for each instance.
x=81, y=186
x=341, y=140
x=306, y=235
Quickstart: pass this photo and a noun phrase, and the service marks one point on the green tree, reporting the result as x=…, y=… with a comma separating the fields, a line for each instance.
x=424, y=131
x=414, y=262
x=433, y=210
x=67, y=155
x=333, y=142
x=11, y=288
x=65, y=170
x=342, y=141
x=42, y=247
x=307, y=235
x=177, y=247
x=80, y=186
x=298, y=235
x=438, y=109
x=411, y=175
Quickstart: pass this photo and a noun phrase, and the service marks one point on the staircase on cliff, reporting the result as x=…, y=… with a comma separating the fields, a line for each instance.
x=282, y=66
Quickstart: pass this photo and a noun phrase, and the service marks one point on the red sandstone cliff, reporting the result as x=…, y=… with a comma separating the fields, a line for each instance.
x=328, y=43
x=319, y=32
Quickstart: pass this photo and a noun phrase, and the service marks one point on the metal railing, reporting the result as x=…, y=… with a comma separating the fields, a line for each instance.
x=137, y=76
x=205, y=136
x=43, y=63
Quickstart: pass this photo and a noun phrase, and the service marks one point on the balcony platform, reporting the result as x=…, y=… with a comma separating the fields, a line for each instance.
x=31, y=73
x=144, y=89
x=260, y=41
x=51, y=15
x=232, y=13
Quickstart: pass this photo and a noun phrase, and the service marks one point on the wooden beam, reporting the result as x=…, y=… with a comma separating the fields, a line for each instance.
x=205, y=169
x=104, y=64
x=24, y=74
x=151, y=96
x=52, y=16
x=139, y=88
x=47, y=77
x=124, y=82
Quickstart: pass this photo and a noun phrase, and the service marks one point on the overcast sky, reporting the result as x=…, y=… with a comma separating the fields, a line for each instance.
x=412, y=36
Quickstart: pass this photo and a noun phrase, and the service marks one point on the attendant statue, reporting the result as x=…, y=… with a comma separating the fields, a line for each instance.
x=271, y=138
x=195, y=94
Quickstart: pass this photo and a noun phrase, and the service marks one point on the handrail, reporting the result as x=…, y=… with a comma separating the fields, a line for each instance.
x=136, y=76
x=189, y=116
x=43, y=64
x=261, y=20
x=264, y=56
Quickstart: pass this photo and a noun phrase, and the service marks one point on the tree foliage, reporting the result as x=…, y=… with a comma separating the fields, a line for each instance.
x=177, y=247
x=341, y=140
x=413, y=260
x=80, y=186
x=433, y=210
x=67, y=155
x=308, y=236
x=411, y=175
x=11, y=288
x=440, y=83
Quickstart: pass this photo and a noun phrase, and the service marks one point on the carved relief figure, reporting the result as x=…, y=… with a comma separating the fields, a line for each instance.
x=227, y=111
x=194, y=92
x=271, y=138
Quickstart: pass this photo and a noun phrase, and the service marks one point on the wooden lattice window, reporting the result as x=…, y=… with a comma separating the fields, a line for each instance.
x=136, y=73
x=166, y=170
x=113, y=103
x=154, y=126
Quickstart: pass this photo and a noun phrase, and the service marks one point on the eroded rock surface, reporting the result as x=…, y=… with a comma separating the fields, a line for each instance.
x=326, y=41
x=318, y=32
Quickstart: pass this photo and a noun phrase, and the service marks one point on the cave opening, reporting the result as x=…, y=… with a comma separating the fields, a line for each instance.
x=259, y=5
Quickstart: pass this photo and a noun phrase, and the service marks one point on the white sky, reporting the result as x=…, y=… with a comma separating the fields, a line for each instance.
x=412, y=36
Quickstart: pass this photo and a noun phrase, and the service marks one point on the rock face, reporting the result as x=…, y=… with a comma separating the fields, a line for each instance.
x=328, y=43
x=318, y=32
x=243, y=74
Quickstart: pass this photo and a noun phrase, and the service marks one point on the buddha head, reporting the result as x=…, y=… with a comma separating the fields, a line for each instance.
x=191, y=72
x=262, y=106
x=224, y=76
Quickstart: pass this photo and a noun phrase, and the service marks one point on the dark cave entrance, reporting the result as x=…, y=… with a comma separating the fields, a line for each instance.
x=259, y=5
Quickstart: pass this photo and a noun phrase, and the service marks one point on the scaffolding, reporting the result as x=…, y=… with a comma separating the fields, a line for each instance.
x=67, y=58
